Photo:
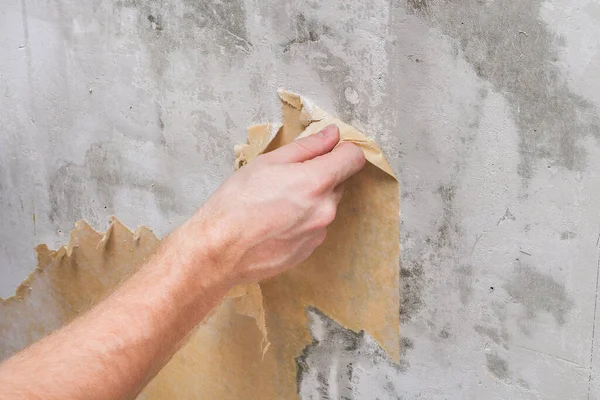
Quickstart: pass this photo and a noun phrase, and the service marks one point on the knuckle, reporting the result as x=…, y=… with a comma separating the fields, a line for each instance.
x=328, y=212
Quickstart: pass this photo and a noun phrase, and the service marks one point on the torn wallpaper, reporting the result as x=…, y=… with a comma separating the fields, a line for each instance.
x=247, y=348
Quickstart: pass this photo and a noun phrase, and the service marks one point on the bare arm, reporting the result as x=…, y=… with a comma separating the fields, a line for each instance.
x=267, y=217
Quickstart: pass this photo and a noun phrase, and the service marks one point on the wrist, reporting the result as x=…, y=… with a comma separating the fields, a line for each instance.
x=209, y=251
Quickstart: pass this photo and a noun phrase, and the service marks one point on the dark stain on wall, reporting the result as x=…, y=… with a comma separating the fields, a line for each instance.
x=305, y=31
x=498, y=336
x=445, y=333
x=347, y=357
x=406, y=344
x=411, y=286
x=434, y=250
x=448, y=228
x=417, y=5
x=155, y=22
x=538, y=292
x=567, y=235
x=497, y=366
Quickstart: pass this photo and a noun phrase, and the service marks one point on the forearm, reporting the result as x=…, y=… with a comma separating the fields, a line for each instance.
x=115, y=349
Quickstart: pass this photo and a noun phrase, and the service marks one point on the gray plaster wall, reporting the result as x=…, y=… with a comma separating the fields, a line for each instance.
x=487, y=110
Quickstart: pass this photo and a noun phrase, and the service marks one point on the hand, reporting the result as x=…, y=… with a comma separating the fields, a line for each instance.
x=272, y=213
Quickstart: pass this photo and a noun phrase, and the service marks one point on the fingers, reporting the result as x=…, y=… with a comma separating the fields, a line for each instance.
x=307, y=148
x=340, y=164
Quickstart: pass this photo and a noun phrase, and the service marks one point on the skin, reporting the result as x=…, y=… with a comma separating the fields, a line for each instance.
x=266, y=218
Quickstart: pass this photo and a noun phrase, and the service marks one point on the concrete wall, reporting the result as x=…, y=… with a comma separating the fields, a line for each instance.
x=487, y=109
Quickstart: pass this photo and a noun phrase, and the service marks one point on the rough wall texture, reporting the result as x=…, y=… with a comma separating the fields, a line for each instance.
x=488, y=111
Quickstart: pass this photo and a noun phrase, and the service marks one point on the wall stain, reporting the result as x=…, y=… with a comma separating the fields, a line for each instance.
x=417, y=5
x=497, y=366
x=305, y=31
x=445, y=333
x=499, y=337
x=538, y=292
x=411, y=287
x=508, y=45
x=435, y=250
x=464, y=275
x=448, y=228
x=155, y=22
x=406, y=344
x=353, y=359
x=567, y=235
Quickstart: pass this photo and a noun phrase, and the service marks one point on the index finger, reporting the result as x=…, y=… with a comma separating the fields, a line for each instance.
x=339, y=164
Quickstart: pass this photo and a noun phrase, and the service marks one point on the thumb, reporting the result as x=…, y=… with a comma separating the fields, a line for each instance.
x=307, y=148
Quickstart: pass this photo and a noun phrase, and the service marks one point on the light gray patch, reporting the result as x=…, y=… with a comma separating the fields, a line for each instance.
x=109, y=171
x=105, y=168
x=103, y=172
x=497, y=366
x=498, y=337
x=537, y=291
x=567, y=235
x=333, y=69
x=343, y=364
x=335, y=72
x=67, y=188
x=227, y=18
x=464, y=274
x=216, y=28
x=209, y=138
x=510, y=47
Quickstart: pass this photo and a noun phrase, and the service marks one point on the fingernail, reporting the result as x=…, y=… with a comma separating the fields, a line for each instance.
x=328, y=131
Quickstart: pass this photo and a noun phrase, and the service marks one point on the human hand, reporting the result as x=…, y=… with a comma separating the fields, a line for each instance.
x=272, y=213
